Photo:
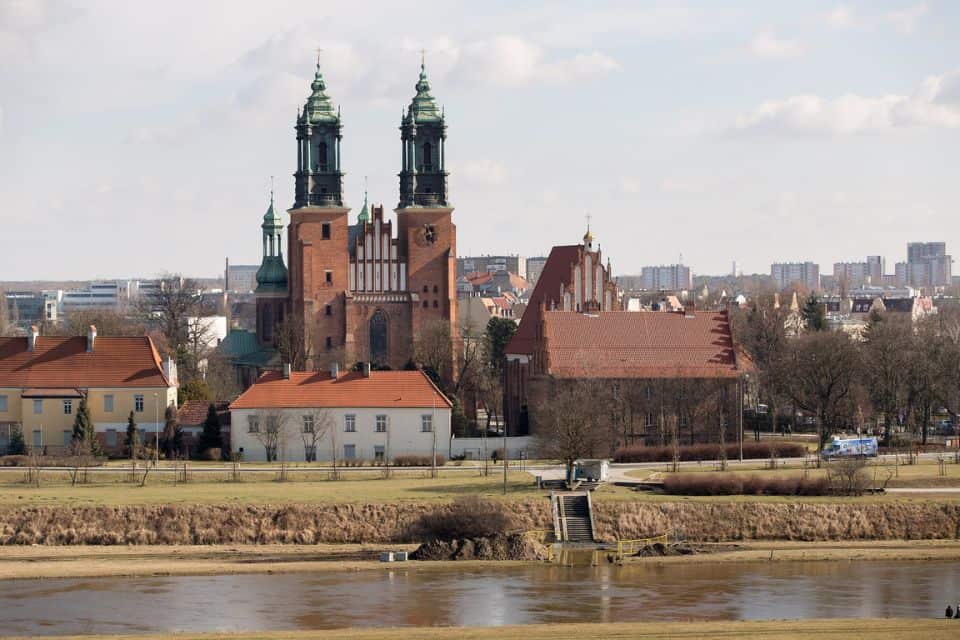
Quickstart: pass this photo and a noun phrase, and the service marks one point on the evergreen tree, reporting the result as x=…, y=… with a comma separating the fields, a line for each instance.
x=813, y=313
x=499, y=332
x=84, y=433
x=210, y=437
x=172, y=433
x=133, y=436
x=17, y=446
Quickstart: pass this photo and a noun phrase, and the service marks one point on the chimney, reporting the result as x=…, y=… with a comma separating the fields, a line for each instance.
x=91, y=338
x=32, y=338
x=170, y=371
x=366, y=369
x=286, y=371
x=335, y=370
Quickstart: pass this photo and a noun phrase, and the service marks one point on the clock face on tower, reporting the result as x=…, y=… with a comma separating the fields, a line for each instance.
x=426, y=235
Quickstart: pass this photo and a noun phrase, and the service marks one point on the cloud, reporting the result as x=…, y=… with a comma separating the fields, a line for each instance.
x=484, y=172
x=842, y=17
x=23, y=21
x=936, y=104
x=767, y=45
x=907, y=19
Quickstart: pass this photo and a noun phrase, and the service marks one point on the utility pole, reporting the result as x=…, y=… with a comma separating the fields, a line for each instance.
x=433, y=433
x=156, y=432
x=506, y=457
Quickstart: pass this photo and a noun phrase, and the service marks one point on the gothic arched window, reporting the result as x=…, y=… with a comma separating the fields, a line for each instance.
x=427, y=156
x=322, y=155
x=378, y=337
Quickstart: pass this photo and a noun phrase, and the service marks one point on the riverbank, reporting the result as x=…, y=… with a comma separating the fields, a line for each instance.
x=40, y=562
x=834, y=629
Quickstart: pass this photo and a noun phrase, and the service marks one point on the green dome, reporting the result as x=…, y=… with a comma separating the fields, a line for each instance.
x=272, y=274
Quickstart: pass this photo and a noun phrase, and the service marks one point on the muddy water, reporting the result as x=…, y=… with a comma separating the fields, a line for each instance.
x=494, y=596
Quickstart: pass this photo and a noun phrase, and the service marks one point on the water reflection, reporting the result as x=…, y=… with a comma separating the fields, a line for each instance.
x=479, y=597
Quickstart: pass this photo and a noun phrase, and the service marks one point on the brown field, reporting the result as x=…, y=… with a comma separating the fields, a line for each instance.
x=854, y=629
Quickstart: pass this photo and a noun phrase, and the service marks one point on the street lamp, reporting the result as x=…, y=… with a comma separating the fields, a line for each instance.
x=156, y=431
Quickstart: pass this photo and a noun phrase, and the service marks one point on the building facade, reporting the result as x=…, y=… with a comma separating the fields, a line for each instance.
x=362, y=291
x=792, y=274
x=673, y=277
x=492, y=264
x=368, y=415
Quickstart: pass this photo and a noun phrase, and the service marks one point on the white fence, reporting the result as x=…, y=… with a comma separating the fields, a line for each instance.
x=517, y=447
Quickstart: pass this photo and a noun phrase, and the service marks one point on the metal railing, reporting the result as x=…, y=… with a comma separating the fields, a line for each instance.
x=631, y=547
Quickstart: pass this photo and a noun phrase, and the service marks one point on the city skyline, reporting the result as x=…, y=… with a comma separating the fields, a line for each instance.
x=766, y=118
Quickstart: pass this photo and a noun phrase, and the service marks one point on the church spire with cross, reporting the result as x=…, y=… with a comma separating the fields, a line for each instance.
x=319, y=177
x=423, y=135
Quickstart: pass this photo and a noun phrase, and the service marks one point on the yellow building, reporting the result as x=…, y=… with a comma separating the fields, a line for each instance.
x=43, y=379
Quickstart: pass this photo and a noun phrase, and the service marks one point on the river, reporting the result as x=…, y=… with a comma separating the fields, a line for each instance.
x=479, y=596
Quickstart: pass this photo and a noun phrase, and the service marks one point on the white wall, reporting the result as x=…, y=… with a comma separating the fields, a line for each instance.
x=403, y=426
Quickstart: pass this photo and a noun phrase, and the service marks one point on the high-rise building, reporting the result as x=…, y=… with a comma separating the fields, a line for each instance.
x=535, y=268
x=789, y=274
x=927, y=265
x=492, y=264
x=673, y=277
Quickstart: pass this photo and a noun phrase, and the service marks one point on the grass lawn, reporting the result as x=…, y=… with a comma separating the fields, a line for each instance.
x=855, y=629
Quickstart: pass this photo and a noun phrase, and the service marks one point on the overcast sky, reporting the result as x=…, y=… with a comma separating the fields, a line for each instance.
x=138, y=138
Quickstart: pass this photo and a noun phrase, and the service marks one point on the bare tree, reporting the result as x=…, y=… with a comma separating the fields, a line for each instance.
x=271, y=429
x=433, y=351
x=762, y=334
x=316, y=424
x=169, y=307
x=564, y=419
x=887, y=342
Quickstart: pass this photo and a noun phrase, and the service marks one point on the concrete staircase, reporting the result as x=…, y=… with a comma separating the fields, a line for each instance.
x=573, y=517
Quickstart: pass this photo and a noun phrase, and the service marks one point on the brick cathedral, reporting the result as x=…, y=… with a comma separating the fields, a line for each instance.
x=363, y=293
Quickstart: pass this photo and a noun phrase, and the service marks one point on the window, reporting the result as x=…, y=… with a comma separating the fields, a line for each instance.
x=273, y=424
x=67, y=407
x=328, y=310
x=379, y=453
x=3, y=403
x=253, y=425
x=381, y=424
x=426, y=289
x=427, y=157
x=649, y=392
x=38, y=438
x=308, y=424
x=111, y=437
x=325, y=230
x=378, y=337
x=329, y=343
x=435, y=289
x=67, y=438
x=435, y=305
x=138, y=403
x=349, y=423
x=684, y=421
x=651, y=420
x=38, y=406
x=426, y=304
x=328, y=277
x=426, y=423
x=350, y=451
x=108, y=403
x=322, y=155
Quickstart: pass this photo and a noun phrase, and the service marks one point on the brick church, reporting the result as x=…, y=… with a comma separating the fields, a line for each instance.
x=361, y=290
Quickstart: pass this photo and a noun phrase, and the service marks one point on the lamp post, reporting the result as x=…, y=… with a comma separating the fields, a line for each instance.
x=156, y=432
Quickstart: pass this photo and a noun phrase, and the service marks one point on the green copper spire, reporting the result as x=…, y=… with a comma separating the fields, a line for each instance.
x=364, y=212
x=423, y=108
x=319, y=108
x=272, y=274
x=271, y=219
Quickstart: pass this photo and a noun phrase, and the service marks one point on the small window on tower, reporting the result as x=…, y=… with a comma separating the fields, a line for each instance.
x=426, y=304
x=322, y=155
x=435, y=289
x=329, y=310
x=325, y=230
x=328, y=277
x=329, y=343
x=426, y=289
x=427, y=158
x=434, y=304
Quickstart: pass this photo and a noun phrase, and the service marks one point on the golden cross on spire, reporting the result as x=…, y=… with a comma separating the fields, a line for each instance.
x=588, y=217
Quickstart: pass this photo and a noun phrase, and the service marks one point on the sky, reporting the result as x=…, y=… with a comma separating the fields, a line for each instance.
x=139, y=138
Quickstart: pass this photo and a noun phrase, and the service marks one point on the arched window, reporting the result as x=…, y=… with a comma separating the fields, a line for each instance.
x=427, y=157
x=378, y=338
x=322, y=155
x=435, y=305
x=435, y=289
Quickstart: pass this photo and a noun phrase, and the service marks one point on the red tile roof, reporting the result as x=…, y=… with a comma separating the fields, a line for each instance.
x=383, y=389
x=553, y=278
x=629, y=344
x=59, y=362
x=194, y=412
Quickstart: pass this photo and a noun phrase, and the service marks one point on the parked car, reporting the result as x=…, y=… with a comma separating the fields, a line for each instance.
x=850, y=448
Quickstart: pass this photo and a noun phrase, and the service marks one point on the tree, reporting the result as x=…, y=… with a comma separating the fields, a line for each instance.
x=564, y=419
x=316, y=424
x=210, y=436
x=169, y=307
x=762, y=334
x=17, y=446
x=132, y=443
x=271, y=430
x=813, y=313
x=195, y=389
x=433, y=351
x=172, y=441
x=498, y=333
x=884, y=368
x=820, y=370
x=84, y=432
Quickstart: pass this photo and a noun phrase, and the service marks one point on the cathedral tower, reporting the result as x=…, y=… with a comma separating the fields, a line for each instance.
x=271, y=292
x=427, y=235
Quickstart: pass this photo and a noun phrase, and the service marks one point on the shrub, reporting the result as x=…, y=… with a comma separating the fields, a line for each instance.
x=417, y=461
x=15, y=461
x=213, y=453
x=468, y=517
x=729, y=484
x=355, y=462
x=695, y=452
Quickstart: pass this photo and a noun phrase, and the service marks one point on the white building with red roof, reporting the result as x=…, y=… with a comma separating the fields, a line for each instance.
x=357, y=415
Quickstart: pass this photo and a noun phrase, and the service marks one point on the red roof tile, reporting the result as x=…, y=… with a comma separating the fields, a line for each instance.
x=628, y=344
x=59, y=362
x=194, y=412
x=554, y=277
x=383, y=389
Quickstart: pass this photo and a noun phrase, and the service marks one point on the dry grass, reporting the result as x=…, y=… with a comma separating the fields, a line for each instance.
x=694, y=452
x=834, y=629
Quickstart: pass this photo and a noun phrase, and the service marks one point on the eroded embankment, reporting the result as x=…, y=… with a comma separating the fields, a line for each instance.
x=389, y=523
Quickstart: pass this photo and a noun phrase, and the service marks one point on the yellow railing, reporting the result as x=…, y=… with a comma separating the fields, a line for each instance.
x=630, y=547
